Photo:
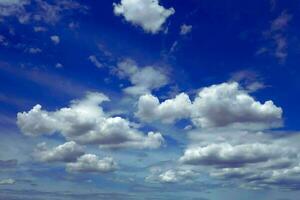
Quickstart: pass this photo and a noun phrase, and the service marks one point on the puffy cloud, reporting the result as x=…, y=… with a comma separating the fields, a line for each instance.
x=185, y=29
x=67, y=152
x=85, y=122
x=173, y=175
x=220, y=105
x=145, y=13
x=226, y=104
x=149, y=108
x=7, y=181
x=143, y=79
x=225, y=154
x=55, y=39
x=91, y=163
x=93, y=59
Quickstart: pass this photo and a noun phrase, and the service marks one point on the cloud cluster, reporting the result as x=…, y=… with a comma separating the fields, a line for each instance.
x=42, y=11
x=143, y=79
x=219, y=105
x=250, y=159
x=147, y=14
x=85, y=122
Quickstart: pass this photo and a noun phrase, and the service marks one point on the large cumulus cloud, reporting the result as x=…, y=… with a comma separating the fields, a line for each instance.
x=85, y=122
x=221, y=105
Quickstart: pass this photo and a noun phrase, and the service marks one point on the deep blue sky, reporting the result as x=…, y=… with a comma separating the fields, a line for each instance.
x=53, y=53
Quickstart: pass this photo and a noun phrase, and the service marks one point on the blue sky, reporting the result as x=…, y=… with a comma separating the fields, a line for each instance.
x=149, y=99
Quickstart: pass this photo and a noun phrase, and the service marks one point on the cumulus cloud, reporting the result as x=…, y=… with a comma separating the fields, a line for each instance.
x=225, y=154
x=147, y=14
x=150, y=109
x=226, y=104
x=85, y=122
x=219, y=105
x=143, y=79
x=67, y=152
x=91, y=163
x=249, y=159
x=185, y=29
x=173, y=175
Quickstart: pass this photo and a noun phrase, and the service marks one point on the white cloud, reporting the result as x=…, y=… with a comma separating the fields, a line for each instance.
x=226, y=104
x=185, y=29
x=7, y=181
x=143, y=79
x=174, y=176
x=178, y=174
x=219, y=105
x=55, y=39
x=225, y=154
x=145, y=13
x=67, y=152
x=93, y=59
x=91, y=163
x=85, y=122
x=149, y=108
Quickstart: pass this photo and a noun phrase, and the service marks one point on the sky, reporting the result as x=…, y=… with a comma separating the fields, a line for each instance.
x=149, y=99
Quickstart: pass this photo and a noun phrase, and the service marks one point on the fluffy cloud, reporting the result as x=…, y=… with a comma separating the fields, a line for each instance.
x=143, y=79
x=220, y=105
x=85, y=122
x=67, y=152
x=150, y=109
x=145, y=13
x=225, y=154
x=91, y=163
x=226, y=104
x=173, y=175
x=185, y=29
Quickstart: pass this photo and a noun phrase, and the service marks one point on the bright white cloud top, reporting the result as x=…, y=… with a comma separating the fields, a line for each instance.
x=145, y=13
x=220, y=105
